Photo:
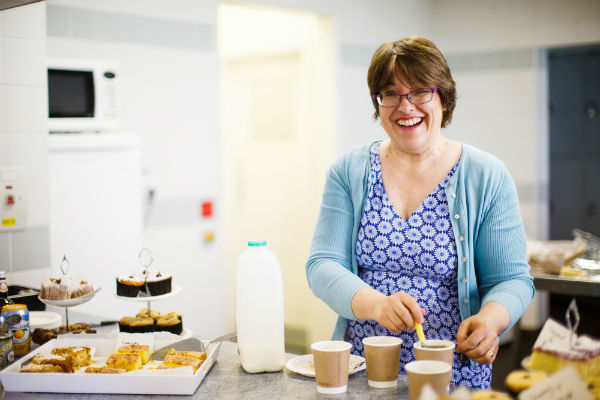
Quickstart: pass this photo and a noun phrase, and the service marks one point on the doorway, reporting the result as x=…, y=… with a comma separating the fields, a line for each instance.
x=276, y=123
x=574, y=140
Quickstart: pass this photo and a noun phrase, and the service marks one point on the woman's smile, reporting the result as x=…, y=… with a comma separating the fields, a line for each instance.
x=409, y=122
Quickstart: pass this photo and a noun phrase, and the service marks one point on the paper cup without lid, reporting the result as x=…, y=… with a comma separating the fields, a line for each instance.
x=436, y=373
x=331, y=359
x=443, y=353
x=382, y=354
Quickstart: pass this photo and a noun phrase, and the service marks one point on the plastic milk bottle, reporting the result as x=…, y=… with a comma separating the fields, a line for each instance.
x=260, y=309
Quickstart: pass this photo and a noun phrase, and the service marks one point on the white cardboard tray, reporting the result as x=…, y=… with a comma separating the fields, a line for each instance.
x=127, y=383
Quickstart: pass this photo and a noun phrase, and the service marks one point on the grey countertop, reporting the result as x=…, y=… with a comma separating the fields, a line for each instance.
x=227, y=380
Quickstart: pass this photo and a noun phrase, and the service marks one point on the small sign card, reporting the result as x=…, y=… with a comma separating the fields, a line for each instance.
x=565, y=384
x=124, y=338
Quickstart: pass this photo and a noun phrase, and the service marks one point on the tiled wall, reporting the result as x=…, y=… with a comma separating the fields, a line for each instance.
x=134, y=29
x=23, y=130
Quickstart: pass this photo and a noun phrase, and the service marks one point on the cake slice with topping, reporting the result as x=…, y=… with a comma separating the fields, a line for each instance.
x=556, y=347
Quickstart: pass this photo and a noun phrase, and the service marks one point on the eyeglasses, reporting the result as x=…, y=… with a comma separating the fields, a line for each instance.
x=392, y=99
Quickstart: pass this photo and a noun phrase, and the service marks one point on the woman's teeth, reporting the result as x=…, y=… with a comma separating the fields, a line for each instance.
x=409, y=122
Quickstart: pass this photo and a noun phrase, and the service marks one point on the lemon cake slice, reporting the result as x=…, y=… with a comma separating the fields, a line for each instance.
x=176, y=359
x=556, y=347
x=124, y=361
x=81, y=355
x=142, y=349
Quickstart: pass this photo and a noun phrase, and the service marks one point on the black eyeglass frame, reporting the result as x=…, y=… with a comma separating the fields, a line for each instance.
x=378, y=97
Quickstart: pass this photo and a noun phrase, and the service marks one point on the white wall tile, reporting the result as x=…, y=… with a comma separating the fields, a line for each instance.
x=26, y=108
x=38, y=201
x=25, y=61
x=2, y=60
x=30, y=150
x=27, y=22
x=3, y=149
x=2, y=108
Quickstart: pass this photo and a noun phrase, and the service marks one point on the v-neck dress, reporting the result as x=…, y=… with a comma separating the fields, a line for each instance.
x=416, y=256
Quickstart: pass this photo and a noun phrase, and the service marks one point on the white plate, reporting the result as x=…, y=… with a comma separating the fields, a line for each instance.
x=70, y=302
x=44, y=320
x=303, y=365
x=174, y=290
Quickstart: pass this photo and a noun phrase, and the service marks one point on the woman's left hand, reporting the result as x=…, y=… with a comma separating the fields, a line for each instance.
x=477, y=336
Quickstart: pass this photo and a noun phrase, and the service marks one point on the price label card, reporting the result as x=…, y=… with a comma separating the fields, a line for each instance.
x=124, y=338
x=565, y=384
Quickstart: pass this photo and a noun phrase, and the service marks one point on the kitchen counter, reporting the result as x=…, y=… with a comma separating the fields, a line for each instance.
x=227, y=380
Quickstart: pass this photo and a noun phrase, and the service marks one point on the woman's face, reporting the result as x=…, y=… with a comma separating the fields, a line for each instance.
x=412, y=128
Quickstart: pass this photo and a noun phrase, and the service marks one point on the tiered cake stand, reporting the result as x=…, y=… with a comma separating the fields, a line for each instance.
x=69, y=303
x=175, y=290
x=66, y=303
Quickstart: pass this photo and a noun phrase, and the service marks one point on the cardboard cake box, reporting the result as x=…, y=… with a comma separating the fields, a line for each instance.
x=146, y=381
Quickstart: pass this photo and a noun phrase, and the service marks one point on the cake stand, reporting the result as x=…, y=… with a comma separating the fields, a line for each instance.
x=175, y=290
x=69, y=303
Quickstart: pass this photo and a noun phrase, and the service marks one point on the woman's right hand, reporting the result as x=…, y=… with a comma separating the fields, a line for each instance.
x=396, y=312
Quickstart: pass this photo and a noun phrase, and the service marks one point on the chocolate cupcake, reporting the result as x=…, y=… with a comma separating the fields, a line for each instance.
x=157, y=283
x=129, y=286
x=141, y=325
x=171, y=322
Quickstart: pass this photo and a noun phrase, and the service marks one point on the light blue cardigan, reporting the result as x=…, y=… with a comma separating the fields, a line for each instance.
x=488, y=231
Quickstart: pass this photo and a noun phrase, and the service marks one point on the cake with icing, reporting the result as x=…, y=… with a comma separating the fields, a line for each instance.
x=146, y=282
x=157, y=283
x=170, y=322
x=56, y=288
x=556, y=347
x=130, y=285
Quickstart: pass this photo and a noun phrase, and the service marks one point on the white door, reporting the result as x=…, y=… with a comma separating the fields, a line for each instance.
x=277, y=142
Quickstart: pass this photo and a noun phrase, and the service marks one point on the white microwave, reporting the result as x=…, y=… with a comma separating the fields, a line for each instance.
x=82, y=95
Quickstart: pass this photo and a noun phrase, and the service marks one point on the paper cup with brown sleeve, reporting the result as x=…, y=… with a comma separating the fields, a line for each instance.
x=331, y=360
x=433, y=372
x=433, y=349
x=382, y=354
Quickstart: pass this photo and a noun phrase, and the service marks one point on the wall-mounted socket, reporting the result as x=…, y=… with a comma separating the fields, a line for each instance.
x=13, y=199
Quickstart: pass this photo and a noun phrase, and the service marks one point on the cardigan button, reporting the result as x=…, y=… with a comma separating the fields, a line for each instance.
x=465, y=301
x=464, y=280
x=463, y=259
x=456, y=216
x=461, y=238
x=453, y=195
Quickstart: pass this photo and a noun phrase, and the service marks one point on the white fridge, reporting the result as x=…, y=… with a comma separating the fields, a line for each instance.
x=96, y=214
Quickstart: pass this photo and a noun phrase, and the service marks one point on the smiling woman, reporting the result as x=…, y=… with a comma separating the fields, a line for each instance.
x=420, y=229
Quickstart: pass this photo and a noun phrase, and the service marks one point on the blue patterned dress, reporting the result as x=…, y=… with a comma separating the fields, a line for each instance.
x=416, y=256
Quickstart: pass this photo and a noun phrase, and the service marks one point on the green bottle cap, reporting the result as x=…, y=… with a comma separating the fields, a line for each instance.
x=259, y=243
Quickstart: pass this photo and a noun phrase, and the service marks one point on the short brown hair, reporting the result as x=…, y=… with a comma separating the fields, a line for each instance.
x=423, y=65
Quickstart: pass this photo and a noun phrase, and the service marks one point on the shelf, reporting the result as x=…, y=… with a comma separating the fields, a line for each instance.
x=568, y=286
x=6, y=4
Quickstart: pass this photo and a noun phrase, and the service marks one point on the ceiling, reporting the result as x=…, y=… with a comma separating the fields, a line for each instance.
x=4, y=4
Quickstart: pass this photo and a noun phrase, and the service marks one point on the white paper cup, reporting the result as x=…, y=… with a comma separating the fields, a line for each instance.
x=433, y=372
x=331, y=359
x=382, y=354
x=441, y=350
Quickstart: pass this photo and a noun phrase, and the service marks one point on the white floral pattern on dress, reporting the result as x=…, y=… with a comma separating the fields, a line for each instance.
x=416, y=256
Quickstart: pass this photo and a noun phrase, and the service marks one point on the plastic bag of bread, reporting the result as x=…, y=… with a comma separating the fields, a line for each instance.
x=550, y=255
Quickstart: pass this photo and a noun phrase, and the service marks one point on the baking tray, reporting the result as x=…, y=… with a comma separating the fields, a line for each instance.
x=127, y=383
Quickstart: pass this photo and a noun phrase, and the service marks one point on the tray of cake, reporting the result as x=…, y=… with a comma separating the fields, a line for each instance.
x=105, y=364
